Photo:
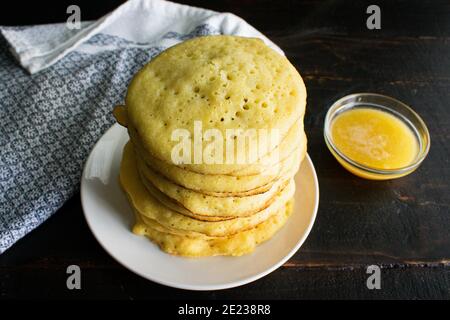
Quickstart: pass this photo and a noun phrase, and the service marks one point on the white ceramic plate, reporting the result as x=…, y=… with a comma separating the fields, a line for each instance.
x=110, y=218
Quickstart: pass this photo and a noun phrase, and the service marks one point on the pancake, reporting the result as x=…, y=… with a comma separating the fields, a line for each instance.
x=224, y=82
x=187, y=196
x=265, y=166
x=179, y=192
x=225, y=184
x=154, y=224
x=235, y=245
x=203, y=204
x=146, y=205
x=177, y=207
x=206, y=205
x=205, y=181
x=207, y=216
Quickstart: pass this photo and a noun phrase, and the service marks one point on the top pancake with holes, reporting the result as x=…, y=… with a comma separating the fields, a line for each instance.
x=223, y=82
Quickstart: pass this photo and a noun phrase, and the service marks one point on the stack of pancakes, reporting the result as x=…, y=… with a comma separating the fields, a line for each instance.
x=225, y=206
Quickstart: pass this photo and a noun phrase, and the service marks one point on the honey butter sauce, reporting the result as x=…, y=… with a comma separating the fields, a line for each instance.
x=374, y=138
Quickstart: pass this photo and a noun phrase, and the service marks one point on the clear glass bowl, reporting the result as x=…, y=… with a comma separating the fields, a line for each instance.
x=382, y=103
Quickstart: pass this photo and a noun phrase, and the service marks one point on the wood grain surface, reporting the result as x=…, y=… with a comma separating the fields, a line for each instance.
x=401, y=225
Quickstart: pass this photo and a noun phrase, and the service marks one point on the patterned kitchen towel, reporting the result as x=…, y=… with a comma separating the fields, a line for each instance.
x=57, y=91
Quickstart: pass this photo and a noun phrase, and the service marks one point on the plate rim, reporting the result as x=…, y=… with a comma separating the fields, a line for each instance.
x=204, y=287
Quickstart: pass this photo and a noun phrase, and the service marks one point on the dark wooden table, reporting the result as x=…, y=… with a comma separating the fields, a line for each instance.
x=402, y=225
